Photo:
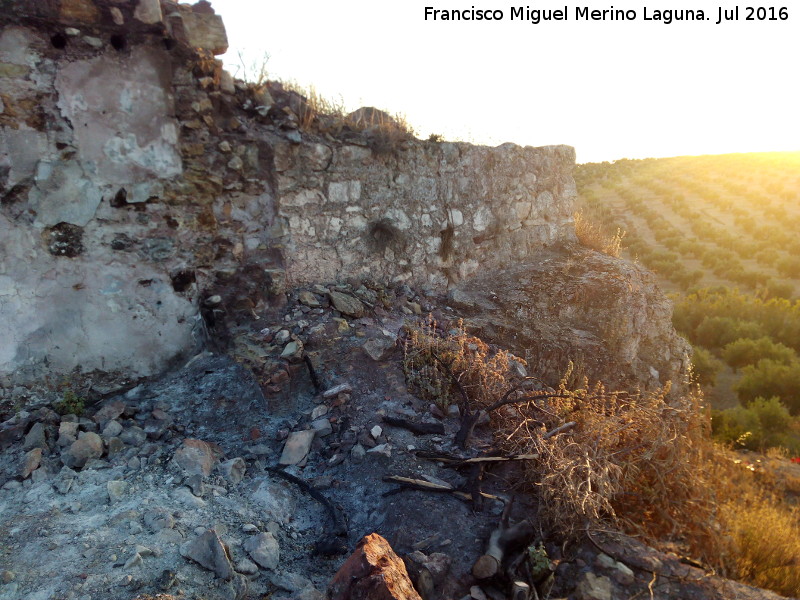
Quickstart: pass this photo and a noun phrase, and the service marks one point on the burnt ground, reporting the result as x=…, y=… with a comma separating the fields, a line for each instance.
x=119, y=526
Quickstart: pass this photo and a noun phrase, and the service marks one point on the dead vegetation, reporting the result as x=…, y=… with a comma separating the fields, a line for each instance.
x=640, y=463
x=321, y=114
x=591, y=235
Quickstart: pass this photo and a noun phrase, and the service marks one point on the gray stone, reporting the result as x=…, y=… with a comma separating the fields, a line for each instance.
x=246, y=566
x=115, y=446
x=133, y=436
x=297, y=446
x=358, y=453
x=237, y=588
x=379, y=349
x=322, y=427
x=384, y=450
x=109, y=412
x=117, y=490
x=293, y=352
x=196, y=457
x=291, y=582
x=112, y=429
x=158, y=518
x=233, y=470
x=622, y=574
x=346, y=304
x=96, y=464
x=319, y=411
x=308, y=298
x=56, y=185
x=35, y=438
x=309, y=593
x=592, y=587
x=264, y=550
x=89, y=445
x=85, y=424
x=148, y=11
x=64, y=480
x=30, y=462
x=376, y=431
x=277, y=502
x=67, y=433
x=204, y=30
x=195, y=483
x=208, y=551
x=134, y=561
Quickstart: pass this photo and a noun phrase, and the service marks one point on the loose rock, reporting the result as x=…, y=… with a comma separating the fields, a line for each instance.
x=207, y=551
x=35, y=438
x=89, y=445
x=592, y=587
x=30, y=462
x=263, y=548
x=297, y=446
x=233, y=470
x=372, y=571
x=346, y=304
x=196, y=457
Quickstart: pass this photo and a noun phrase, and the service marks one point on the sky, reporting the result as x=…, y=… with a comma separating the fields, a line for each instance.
x=610, y=88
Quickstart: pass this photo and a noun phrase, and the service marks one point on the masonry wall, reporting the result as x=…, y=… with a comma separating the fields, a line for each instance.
x=428, y=213
x=137, y=180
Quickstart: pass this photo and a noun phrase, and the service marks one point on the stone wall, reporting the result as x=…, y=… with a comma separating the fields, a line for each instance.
x=137, y=180
x=428, y=213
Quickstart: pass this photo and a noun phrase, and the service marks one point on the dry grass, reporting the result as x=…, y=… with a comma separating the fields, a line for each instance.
x=636, y=462
x=252, y=69
x=640, y=463
x=593, y=236
x=761, y=527
x=482, y=373
x=765, y=541
x=631, y=461
x=326, y=115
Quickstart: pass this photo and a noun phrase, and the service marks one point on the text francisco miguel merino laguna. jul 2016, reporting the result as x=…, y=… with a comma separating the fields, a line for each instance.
x=585, y=13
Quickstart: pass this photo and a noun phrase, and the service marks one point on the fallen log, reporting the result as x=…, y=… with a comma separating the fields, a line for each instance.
x=427, y=486
x=458, y=461
x=334, y=541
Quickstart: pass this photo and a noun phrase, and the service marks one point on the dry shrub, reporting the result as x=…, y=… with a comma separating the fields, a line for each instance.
x=322, y=114
x=764, y=535
x=641, y=463
x=636, y=462
x=593, y=236
x=431, y=355
x=317, y=111
x=760, y=522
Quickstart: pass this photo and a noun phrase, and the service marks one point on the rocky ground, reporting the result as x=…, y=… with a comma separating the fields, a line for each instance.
x=215, y=483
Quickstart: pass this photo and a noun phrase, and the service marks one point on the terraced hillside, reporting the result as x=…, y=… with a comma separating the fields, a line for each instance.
x=721, y=232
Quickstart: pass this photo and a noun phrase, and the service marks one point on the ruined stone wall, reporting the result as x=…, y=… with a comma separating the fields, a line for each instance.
x=426, y=213
x=137, y=180
x=108, y=195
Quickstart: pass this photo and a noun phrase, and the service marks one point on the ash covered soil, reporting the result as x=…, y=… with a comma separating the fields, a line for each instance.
x=235, y=476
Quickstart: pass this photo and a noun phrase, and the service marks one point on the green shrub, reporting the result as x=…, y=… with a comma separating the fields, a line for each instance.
x=769, y=378
x=70, y=404
x=716, y=332
x=748, y=351
x=760, y=425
